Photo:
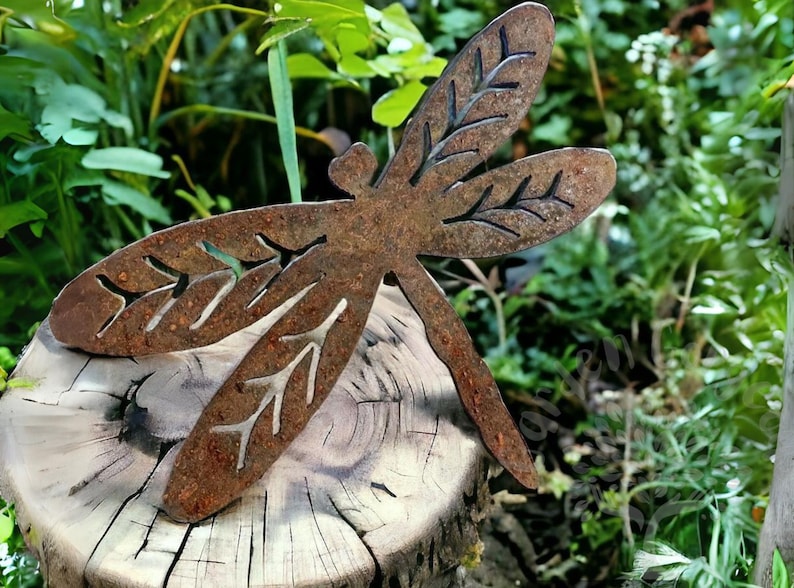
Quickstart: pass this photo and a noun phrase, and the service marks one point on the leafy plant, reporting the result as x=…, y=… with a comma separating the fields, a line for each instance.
x=18, y=568
x=675, y=280
x=363, y=43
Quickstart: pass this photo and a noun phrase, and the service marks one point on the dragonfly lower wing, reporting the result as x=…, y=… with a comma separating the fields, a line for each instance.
x=473, y=380
x=269, y=398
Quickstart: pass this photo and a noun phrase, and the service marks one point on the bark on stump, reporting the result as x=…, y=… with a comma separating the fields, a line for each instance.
x=383, y=486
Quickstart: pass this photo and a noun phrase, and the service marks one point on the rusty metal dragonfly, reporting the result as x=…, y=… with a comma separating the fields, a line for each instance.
x=317, y=267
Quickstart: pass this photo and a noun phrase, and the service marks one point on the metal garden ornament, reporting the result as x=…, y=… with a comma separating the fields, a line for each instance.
x=317, y=267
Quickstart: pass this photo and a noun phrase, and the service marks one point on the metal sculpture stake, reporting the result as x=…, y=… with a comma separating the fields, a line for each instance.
x=317, y=267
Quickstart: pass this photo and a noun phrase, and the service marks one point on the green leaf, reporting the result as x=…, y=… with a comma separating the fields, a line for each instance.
x=7, y=361
x=6, y=526
x=350, y=41
x=66, y=103
x=406, y=57
x=118, y=120
x=19, y=72
x=700, y=234
x=285, y=116
x=356, y=67
x=327, y=16
x=393, y=108
x=37, y=45
x=759, y=134
x=74, y=100
x=19, y=213
x=323, y=10
x=126, y=159
x=614, y=124
x=398, y=25
x=37, y=228
x=81, y=136
x=555, y=131
x=281, y=29
x=13, y=125
x=305, y=65
x=428, y=69
x=461, y=23
x=81, y=177
x=780, y=575
x=55, y=123
x=115, y=193
x=43, y=15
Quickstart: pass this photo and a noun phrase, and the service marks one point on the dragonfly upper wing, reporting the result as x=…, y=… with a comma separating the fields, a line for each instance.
x=271, y=395
x=473, y=380
x=521, y=204
x=192, y=284
x=477, y=103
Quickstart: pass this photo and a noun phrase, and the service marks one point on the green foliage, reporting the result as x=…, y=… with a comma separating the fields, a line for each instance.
x=18, y=569
x=657, y=327
x=72, y=153
x=119, y=118
x=363, y=43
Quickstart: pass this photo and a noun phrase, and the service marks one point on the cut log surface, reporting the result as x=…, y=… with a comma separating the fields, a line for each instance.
x=383, y=486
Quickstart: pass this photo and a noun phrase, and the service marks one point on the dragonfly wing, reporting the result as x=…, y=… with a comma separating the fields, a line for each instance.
x=270, y=396
x=521, y=204
x=473, y=380
x=477, y=103
x=193, y=284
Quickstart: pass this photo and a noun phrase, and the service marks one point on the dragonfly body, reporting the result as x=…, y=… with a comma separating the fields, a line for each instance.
x=315, y=268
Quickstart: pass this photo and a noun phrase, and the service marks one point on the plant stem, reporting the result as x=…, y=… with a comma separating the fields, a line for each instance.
x=686, y=300
x=69, y=231
x=170, y=54
x=628, y=468
x=32, y=264
x=127, y=222
x=495, y=299
x=585, y=30
x=247, y=114
x=227, y=39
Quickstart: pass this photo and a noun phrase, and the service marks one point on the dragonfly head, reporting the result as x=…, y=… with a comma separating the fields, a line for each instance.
x=353, y=171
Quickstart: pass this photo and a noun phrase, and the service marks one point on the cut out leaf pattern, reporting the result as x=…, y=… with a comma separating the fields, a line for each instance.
x=314, y=269
x=271, y=395
x=521, y=204
x=190, y=285
x=477, y=103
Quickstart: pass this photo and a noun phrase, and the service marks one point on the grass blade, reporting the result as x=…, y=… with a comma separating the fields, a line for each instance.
x=285, y=117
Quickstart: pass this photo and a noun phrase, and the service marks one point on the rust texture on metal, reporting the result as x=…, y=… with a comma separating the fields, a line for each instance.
x=316, y=267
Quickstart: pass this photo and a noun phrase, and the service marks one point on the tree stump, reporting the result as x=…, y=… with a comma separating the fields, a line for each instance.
x=383, y=486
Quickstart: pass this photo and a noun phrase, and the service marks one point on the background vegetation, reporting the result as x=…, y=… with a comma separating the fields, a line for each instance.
x=640, y=353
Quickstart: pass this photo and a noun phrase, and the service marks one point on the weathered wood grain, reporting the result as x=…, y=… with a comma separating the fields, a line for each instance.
x=777, y=531
x=381, y=488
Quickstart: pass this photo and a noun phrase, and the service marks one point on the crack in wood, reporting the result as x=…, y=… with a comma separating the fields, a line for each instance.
x=145, y=541
x=378, y=574
x=76, y=377
x=328, y=551
x=115, y=517
x=382, y=487
x=178, y=554
x=434, y=436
